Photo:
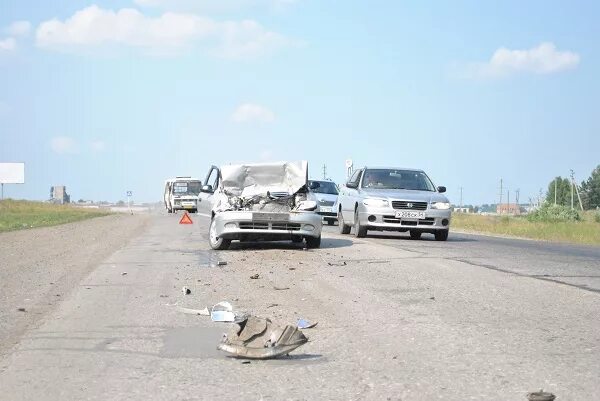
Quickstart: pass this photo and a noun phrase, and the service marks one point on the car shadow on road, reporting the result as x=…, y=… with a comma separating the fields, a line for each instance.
x=326, y=243
x=425, y=237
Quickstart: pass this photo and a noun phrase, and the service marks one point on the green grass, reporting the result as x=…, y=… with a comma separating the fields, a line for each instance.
x=586, y=231
x=18, y=215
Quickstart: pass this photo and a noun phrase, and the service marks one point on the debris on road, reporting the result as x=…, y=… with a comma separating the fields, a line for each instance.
x=189, y=311
x=432, y=298
x=222, y=312
x=124, y=274
x=255, y=276
x=21, y=309
x=221, y=263
x=305, y=324
x=342, y=263
x=540, y=396
x=186, y=290
x=280, y=288
x=259, y=338
x=272, y=306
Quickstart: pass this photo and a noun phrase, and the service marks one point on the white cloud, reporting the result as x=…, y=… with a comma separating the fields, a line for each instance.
x=19, y=28
x=215, y=5
x=251, y=112
x=543, y=59
x=8, y=44
x=93, y=27
x=63, y=144
x=98, y=146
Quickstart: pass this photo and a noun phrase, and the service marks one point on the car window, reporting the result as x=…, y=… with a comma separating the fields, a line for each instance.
x=325, y=187
x=355, y=177
x=397, y=179
x=213, y=178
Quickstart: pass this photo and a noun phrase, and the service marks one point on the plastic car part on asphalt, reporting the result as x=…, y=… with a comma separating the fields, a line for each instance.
x=259, y=338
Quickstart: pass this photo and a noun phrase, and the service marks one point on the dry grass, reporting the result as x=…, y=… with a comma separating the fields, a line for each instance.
x=18, y=215
x=586, y=231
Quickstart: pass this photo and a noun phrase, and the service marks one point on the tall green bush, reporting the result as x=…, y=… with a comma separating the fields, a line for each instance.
x=550, y=212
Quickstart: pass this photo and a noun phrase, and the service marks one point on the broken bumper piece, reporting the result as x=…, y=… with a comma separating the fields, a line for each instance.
x=259, y=338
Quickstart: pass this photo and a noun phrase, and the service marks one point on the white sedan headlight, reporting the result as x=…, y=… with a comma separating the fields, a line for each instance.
x=440, y=205
x=376, y=202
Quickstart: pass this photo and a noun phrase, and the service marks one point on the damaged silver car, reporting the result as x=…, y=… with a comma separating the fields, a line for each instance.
x=253, y=202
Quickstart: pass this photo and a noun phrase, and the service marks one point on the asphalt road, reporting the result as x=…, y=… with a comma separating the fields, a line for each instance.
x=475, y=317
x=567, y=264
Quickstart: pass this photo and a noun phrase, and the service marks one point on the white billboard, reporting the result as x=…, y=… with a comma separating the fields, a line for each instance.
x=12, y=173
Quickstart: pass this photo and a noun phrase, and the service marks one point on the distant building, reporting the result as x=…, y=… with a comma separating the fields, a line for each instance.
x=58, y=194
x=508, y=208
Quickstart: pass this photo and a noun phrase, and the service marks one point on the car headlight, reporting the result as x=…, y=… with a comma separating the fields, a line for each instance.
x=376, y=202
x=440, y=205
x=307, y=205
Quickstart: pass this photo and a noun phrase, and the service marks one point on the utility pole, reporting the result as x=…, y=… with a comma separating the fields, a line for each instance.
x=518, y=191
x=324, y=171
x=507, y=201
x=572, y=174
x=573, y=184
x=500, y=192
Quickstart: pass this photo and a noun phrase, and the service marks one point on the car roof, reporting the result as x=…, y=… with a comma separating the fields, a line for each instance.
x=391, y=168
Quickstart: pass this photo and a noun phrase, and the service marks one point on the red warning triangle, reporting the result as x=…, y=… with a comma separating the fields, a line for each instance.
x=185, y=219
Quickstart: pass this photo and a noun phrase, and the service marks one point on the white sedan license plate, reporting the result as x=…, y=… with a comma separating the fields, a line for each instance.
x=326, y=209
x=405, y=214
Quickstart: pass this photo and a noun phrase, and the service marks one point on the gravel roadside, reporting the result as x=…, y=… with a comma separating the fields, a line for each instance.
x=40, y=267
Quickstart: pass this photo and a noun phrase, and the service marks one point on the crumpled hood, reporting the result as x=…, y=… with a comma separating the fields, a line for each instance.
x=404, y=194
x=247, y=180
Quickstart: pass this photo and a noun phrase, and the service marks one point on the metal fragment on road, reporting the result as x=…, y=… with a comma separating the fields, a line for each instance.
x=255, y=276
x=221, y=263
x=124, y=274
x=186, y=290
x=540, y=396
x=276, y=288
x=342, y=263
x=259, y=338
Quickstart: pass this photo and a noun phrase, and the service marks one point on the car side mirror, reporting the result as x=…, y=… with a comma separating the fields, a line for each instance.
x=207, y=188
x=441, y=189
x=352, y=184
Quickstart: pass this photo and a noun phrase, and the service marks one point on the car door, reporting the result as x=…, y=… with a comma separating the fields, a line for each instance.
x=350, y=196
x=210, y=185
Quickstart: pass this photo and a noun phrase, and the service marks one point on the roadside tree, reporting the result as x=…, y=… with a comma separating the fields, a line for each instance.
x=590, y=190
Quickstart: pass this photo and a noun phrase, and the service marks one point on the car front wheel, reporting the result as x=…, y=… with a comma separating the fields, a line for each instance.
x=441, y=235
x=344, y=229
x=313, y=242
x=217, y=243
x=359, y=231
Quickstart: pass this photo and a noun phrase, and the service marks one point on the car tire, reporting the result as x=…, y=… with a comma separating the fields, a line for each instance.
x=441, y=235
x=313, y=242
x=344, y=229
x=215, y=242
x=359, y=231
x=296, y=239
x=415, y=234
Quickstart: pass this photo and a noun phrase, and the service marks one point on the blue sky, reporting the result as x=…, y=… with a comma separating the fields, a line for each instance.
x=119, y=95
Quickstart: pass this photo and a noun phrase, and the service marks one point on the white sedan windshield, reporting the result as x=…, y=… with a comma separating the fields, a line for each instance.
x=397, y=179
